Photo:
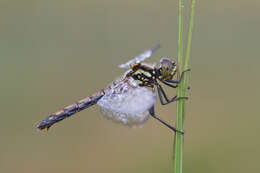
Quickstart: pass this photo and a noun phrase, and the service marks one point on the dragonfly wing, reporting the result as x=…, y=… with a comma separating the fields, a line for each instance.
x=127, y=103
x=141, y=57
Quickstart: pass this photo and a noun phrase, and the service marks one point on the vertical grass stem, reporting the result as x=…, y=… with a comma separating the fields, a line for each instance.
x=178, y=141
x=182, y=88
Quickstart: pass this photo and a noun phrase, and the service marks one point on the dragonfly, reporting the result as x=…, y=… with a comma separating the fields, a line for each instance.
x=130, y=99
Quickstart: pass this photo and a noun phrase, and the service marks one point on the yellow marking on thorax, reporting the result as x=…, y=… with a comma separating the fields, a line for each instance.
x=140, y=71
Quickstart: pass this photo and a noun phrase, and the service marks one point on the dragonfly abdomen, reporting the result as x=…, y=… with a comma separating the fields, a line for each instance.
x=70, y=110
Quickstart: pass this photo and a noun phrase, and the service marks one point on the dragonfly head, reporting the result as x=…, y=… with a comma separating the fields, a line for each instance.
x=167, y=68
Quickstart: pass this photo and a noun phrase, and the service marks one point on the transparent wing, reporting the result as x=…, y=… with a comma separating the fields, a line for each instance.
x=141, y=57
x=127, y=103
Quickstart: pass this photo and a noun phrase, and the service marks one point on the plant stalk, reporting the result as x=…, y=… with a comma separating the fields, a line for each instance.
x=182, y=88
x=178, y=141
x=187, y=57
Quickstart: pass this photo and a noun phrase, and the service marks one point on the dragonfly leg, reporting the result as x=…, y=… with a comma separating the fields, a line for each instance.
x=178, y=81
x=162, y=95
x=170, y=85
x=152, y=113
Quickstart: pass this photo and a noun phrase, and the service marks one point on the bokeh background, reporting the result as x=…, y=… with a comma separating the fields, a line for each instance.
x=54, y=52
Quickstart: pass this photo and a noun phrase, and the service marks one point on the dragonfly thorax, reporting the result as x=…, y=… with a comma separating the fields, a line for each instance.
x=167, y=68
x=144, y=77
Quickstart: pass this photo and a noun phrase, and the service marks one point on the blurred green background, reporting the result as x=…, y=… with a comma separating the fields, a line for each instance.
x=54, y=52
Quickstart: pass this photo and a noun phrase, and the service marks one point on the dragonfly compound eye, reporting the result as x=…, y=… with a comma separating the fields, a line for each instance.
x=167, y=68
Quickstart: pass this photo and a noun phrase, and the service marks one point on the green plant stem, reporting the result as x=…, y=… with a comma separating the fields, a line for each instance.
x=187, y=56
x=182, y=88
x=178, y=141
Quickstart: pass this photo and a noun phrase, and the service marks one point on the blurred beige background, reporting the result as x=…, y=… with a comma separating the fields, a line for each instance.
x=54, y=52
